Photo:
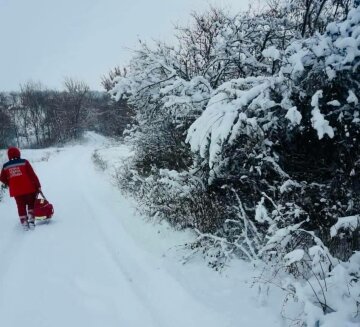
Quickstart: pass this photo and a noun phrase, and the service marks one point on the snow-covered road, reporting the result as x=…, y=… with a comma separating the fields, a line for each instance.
x=97, y=264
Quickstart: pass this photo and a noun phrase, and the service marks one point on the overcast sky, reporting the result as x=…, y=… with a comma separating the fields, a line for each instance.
x=47, y=40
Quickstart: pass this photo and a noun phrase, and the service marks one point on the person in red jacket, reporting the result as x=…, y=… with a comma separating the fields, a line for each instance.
x=23, y=184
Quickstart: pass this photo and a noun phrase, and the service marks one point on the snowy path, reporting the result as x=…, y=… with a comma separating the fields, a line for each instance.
x=86, y=269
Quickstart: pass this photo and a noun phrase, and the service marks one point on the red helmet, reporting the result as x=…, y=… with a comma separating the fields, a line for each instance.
x=13, y=153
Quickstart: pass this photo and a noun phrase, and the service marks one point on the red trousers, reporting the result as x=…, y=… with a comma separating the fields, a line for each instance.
x=25, y=205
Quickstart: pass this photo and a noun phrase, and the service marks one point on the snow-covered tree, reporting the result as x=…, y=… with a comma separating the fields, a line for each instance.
x=248, y=132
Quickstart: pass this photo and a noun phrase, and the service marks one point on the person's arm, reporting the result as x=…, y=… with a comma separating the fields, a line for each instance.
x=33, y=176
x=4, y=178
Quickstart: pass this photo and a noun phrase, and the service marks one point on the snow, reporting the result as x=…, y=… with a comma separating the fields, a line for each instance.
x=294, y=256
x=330, y=73
x=350, y=222
x=352, y=98
x=288, y=185
x=334, y=103
x=98, y=263
x=218, y=122
x=294, y=116
x=261, y=214
x=296, y=60
x=318, y=121
x=271, y=52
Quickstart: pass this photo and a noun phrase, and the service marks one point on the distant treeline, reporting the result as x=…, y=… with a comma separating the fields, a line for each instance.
x=37, y=116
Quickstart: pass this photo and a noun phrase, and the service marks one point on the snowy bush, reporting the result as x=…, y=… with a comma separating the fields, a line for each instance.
x=98, y=160
x=259, y=109
x=180, y=198
x=248, y=132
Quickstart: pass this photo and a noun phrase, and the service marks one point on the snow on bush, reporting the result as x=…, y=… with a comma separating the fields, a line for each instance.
x=318, y=121
x=337, y=49
x=349, y=223
x=248, y=133
x=225, y=118
x=294, y=116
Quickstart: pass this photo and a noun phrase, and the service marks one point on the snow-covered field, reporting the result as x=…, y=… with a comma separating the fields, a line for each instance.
x=97, y=263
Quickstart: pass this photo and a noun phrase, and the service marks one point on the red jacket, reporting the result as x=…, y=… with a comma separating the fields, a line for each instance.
x=20, y=177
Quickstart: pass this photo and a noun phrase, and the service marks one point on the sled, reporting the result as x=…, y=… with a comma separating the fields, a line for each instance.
x=43, y=209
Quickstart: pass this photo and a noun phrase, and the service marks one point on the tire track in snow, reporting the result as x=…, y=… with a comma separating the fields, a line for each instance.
x=132, y=262
x=94, y=209
x=158, y=292
x=96, y=212
x=131, y=281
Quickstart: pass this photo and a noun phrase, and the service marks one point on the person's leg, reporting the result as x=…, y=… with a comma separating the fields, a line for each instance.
x=21, y=206
x=30, y=201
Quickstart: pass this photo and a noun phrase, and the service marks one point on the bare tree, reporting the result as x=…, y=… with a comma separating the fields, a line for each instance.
x=311, y=16
x=75, y=97
x=33, y=102
x=107, y=81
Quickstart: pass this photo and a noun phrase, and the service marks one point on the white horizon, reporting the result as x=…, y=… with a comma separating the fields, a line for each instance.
x=45, y=41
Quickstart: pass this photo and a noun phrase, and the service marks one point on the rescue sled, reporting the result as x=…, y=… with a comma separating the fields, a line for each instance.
x=43, y=209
